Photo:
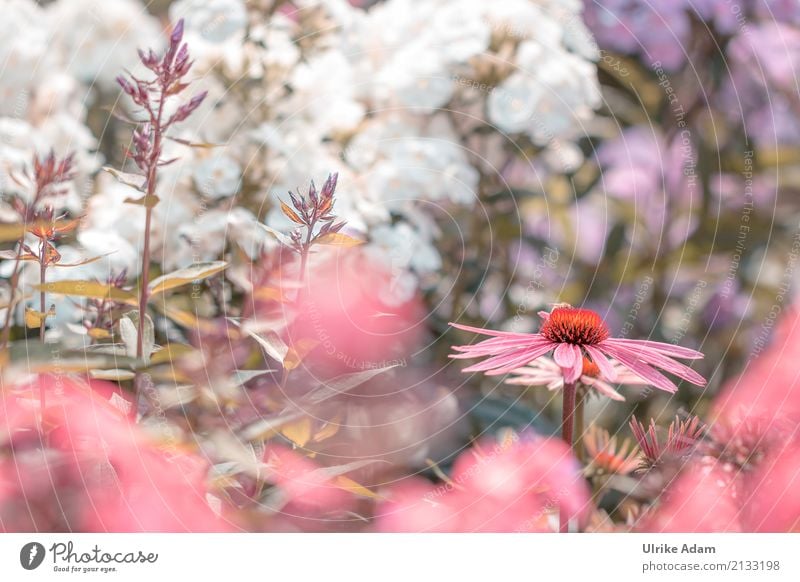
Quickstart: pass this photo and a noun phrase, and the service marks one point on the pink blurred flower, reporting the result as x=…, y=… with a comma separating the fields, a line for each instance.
x=772, y=493
x=703, y=498
x=572, y=333
x=93, y=470
x=716, y=495
x=497, y=487
x=545, y=372
x=307, y=486
x=768, y=391
x=342, y=314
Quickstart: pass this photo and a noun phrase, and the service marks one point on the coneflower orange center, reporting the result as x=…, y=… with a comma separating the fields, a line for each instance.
x=590, y=368
x=570, y=325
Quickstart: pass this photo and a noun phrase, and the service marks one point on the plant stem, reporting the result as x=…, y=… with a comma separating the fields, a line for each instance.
x=144, y=283
x=43, y=310
x=568, y=413
x=567, y=420
x=144, y=292
x=304, y=253
x=42, y=292
x=579, y=426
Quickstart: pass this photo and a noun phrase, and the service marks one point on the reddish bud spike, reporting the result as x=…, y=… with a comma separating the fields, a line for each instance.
x=177, y=34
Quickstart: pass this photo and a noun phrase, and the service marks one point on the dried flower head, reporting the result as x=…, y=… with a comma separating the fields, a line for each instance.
x=682, y=438
x=605, y=457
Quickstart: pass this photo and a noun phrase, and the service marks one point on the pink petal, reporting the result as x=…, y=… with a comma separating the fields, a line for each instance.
x=603, y=388
x=655, y=357
x=502, y=364
x=574, y=372
x=491, y=332
x=565, y=355
x=600, y=360
x=513, y=364
x=667, y=349
x=630, y=359
x=498, y=346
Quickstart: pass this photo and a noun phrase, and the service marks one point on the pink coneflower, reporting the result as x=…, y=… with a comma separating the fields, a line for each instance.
x=545, y=372
x=576, y=336
x=572, y=333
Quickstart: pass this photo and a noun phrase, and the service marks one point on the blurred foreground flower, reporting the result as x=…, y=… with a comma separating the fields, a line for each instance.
x=507, y=487
x=716, y=496
x=81, y=465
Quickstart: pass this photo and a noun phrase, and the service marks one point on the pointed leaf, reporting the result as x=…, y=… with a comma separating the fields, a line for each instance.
x=115, y=375
x=35, y=318
x=279, y=236
x=129, y=332
x=344, y=383
x=133, y=180
x=291, y=214
x=338, y=239
x=195, y=144
x=93, y=289
x=267, y=427
x=298, y=352
x=298, y=432
x=11, y=232
x=148, y=201
x=271, y=343
x=186, y=276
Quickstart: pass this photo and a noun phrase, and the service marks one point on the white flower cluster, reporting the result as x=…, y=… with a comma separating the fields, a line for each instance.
x=391, y=98
x=398, y=99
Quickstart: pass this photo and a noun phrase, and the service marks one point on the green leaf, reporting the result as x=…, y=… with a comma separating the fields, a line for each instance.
x=36, y=357
x=264, y=428
x=93, y=289
x=129, y=332
x=148, y=201
x=271, y=343
x=196, y=144
x=185, y=276
x=136, y=181
x=338, y=239
x=279, y=236
x=11, y=232
x=115, y=375
x=344, y=383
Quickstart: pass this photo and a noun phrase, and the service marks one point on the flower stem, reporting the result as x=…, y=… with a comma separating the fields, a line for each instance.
x=567, y=421
x=568, y=413
x=144, y=290
x=42, y=293
x=579, y=426
x=43, y=310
